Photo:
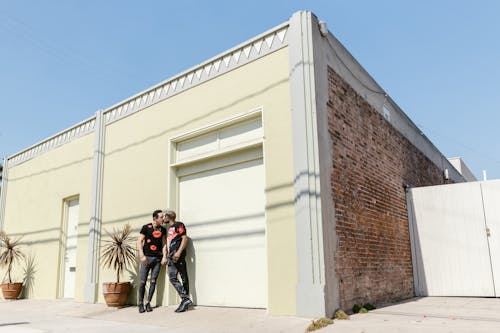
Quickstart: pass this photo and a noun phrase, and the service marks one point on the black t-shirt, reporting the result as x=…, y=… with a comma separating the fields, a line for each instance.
x=153, y=240
x=175, y=233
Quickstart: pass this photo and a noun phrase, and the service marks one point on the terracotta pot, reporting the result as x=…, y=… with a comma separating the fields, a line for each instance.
x=116, y=294
x=11, y=290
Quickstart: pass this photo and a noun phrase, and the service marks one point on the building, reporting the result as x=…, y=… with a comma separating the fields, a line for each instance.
x=459, y=164
x=285, y=159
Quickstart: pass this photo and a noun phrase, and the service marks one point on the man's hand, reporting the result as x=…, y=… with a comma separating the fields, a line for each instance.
x=144, y=260
x=176, y=256
x=163, y=261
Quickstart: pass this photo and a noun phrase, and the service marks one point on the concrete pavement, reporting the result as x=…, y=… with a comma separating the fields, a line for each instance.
x=429, y=315
x=33, y=316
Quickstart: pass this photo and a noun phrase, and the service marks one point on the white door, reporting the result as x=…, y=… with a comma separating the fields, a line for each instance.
x=223, y=210
x=71, y=244
x=450, y=248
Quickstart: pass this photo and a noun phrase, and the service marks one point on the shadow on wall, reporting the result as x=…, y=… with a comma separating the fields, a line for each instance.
x=133, y=277
x=191, y=268
x=162, y=284
x=419, y=281
x=30, y=270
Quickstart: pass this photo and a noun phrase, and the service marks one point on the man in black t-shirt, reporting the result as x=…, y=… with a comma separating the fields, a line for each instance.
x=152, y=245
x=176, y=262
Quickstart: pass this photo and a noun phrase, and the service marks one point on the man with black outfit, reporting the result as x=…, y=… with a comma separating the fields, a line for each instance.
x=152, y=245
x=176, y=262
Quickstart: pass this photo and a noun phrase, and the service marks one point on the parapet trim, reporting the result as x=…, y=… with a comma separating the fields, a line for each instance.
x=255, y=48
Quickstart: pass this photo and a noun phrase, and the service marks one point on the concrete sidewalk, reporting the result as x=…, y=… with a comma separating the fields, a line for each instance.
x=32, y=316
x=429, y=315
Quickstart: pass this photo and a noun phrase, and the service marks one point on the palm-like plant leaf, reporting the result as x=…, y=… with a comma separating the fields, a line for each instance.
x=118, y=251
x=10, y=253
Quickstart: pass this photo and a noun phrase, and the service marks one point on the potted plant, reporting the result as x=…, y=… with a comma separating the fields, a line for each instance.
x=10, y=253
x=118, y=253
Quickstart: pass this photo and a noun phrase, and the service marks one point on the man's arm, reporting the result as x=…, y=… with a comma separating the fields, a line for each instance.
x=164, y=250
x=168, y=244
x=177, y=254
x=140, y=244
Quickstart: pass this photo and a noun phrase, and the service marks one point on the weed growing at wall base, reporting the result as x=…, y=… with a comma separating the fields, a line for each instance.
x=320, y=323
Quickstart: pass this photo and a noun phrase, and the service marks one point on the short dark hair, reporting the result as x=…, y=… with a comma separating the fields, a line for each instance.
x=155, y=213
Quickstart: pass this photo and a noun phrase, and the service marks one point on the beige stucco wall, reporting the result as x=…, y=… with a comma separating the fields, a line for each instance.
x=135, y=179
x=136, y=161
x=34, y=207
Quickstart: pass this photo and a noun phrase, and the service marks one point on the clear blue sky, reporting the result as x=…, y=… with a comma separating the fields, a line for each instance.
x=60, y=61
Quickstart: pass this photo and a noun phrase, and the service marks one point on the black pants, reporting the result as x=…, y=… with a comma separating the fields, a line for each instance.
x=153, y=264
x=179, y=268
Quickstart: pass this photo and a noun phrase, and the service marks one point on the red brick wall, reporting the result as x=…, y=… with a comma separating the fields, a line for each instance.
x=371, y=162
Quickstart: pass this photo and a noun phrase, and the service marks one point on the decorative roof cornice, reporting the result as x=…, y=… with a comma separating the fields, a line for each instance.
x=54, y=141
x=240, y=55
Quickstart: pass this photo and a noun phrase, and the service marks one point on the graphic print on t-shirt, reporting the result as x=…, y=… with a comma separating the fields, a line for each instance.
x=175, y=233
x=154, y=237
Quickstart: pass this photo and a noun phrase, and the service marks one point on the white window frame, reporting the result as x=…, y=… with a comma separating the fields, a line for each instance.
x=174, y=165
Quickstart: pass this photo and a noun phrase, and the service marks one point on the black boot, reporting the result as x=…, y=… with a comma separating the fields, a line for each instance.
x=184, y=306
x=148, y=307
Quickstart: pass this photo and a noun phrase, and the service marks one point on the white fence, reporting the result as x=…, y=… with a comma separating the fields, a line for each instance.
x=455, y=239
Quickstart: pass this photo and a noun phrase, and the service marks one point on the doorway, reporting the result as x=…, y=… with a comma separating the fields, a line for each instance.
x=70, y=242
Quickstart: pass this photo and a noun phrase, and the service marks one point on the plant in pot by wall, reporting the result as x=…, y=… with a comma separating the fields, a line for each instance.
x=10, y=254
x=118, y=253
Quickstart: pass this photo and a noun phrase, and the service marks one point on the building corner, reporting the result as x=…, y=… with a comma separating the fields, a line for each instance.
x=317, y=290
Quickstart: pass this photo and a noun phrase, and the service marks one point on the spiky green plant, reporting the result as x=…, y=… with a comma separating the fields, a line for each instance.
x=10, y=253
x=118, y=252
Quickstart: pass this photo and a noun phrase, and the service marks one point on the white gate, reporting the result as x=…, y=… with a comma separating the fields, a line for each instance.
x=454, y=231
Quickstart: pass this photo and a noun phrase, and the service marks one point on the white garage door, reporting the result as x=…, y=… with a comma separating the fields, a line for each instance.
x=223, y=210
